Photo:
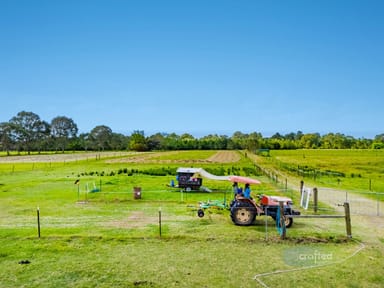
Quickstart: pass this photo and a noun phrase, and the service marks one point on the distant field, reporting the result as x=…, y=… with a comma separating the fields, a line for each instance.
x=192, y=157
x=361, y=170
x=59, y=157
x=108, y=239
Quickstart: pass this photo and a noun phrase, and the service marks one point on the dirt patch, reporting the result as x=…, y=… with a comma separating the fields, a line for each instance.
x=137, y=219
x=225, y=157
x=310, y=240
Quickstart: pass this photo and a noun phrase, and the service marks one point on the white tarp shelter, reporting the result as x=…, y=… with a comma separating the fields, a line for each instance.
x=202, y=173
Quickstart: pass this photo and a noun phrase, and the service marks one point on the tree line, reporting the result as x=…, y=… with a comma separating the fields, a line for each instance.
x=28, y=132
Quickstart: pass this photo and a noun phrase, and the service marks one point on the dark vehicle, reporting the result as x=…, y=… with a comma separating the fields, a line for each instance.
x=186, y=178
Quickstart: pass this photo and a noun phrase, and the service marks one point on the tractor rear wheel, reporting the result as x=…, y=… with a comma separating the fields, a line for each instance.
x=243, y=213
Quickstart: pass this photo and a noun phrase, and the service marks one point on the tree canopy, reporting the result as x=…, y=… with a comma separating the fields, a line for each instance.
x=27, y=132
x=62, y=130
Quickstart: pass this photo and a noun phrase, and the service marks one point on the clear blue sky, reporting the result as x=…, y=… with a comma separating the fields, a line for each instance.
x=196, y=66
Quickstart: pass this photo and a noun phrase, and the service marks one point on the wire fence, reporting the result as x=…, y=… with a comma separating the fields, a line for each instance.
x=361, y=203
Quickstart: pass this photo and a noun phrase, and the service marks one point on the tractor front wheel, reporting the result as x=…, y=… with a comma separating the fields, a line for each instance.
x=288, y=222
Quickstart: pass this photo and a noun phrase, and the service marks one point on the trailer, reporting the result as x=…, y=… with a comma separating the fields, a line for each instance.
x=191, y=179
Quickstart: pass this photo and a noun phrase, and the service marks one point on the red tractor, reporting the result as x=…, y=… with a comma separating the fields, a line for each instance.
x=244, y=210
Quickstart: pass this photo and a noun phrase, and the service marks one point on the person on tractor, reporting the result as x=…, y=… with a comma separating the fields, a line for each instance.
x=247, y=191
x=240, y=191
x=235, y=189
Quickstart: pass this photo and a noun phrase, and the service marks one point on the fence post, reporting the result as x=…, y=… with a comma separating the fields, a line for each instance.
x=282, y=220
x=160, y=222
x=301, y=187
x=348, y=219
x=38, y=221
x=315, y=199
x=266, y=223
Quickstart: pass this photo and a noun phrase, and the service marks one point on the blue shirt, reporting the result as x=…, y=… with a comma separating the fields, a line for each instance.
x=247, y=192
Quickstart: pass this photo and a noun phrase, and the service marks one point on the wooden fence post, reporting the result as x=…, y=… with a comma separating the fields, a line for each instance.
x=348, y=219
x=160, y=222
x=315, y=199
x=301, y=187
x=38, y=221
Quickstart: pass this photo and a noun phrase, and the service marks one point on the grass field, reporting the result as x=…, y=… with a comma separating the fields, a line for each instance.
x=108, y=239
x=357, y=170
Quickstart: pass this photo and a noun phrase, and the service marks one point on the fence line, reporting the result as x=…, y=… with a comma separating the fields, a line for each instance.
x=362, y=203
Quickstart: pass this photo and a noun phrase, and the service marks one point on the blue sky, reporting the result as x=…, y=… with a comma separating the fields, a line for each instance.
x=193, y=66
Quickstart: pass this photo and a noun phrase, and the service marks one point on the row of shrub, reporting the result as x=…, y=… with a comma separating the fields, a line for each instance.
x=130, y=172
x=168, y=171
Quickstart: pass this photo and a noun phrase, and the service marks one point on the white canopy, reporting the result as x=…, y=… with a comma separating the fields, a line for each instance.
x=232, y=178
x=202, y=172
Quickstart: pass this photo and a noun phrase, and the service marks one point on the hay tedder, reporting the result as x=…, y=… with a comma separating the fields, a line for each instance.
x=210, y=204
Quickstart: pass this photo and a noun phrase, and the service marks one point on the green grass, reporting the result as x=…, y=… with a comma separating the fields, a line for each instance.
x=108, y=239
x=111, y=262
x=358, y=170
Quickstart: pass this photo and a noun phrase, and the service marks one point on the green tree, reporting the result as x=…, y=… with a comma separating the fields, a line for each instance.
x=100, y=137
x=187, y=142
x=43, y=136
x=213, y=142
x=83, y=142
x=27, y=127
x=172, y=142
x=156, y=142
x=137, y=141
x=239, y=140
x=118, y=142
x=310, y=141
x=62, y=130
x=379, y=138
x=6, y=140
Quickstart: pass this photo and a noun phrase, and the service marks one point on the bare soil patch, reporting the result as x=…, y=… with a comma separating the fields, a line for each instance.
x=225, y=157
x=137, y=219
